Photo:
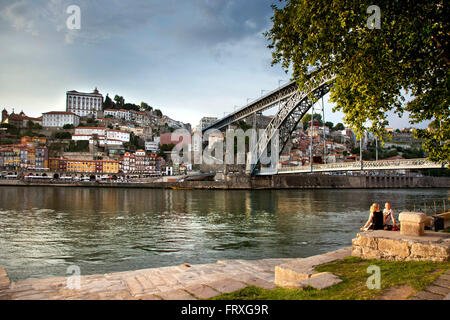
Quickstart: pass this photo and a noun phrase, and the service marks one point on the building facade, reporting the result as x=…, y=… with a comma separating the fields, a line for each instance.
x=58, y=119
x=84, y=104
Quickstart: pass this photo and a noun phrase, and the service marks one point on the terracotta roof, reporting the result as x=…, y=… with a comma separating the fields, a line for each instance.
x=59, y=112
x=101, y=128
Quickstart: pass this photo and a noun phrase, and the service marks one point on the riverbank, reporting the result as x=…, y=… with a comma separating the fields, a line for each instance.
x=287, y=181
x=241, y=279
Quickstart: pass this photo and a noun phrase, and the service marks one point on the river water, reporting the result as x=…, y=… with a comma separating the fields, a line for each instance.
x=44, y=230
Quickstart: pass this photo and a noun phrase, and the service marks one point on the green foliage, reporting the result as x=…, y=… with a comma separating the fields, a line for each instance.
x=241, y=124
x=135, y=142
x=92, y=122
x=339, y=127
x=145, y=107
x=33, y=126
x=10, y=129
x=372, y=67
x=6, y=141
x=329, y=124
x=68, y=126
x=78, y=146
x=166, y=148
x=307, y=119
x=120, y=101
x=63, y=135
x=131, y=106
x=158, y=113
x=353, y=272
x=108, y=103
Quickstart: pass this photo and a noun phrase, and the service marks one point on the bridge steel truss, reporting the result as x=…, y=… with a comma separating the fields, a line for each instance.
x=285, y=122
x=265, y=102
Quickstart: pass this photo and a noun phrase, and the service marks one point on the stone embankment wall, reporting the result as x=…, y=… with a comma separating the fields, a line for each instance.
x=391, y=245
x=291, y=181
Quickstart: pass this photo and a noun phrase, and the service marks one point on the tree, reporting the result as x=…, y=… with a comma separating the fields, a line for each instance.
x=131, y=106
x=329, y=124
x=158, y=113
x=373, y=68
x=30, y=124
x=120, y=101
x=339, y=127
x=68, y=126
x=63, y=135
x=307, y=119
x=108, y=104
x=165, y=148
x=145, y=107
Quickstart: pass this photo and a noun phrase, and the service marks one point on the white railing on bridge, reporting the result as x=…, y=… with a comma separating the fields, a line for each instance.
x=400, y=164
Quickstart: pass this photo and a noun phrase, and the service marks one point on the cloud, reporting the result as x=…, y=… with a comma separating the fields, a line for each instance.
x=195, y=22
x=19, y=17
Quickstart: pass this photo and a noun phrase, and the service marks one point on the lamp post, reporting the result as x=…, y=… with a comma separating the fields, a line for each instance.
x=279, y=93
x=376, y=148
x=311, y=139
x=360, y=153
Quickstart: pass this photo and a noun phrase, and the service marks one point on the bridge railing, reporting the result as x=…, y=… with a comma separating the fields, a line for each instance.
x=400, y=164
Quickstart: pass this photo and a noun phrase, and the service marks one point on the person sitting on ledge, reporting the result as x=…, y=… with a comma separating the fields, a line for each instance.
x=388, y=216
x=376, y=221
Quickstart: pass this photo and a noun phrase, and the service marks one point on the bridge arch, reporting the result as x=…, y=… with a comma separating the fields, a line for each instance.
x=285, y=121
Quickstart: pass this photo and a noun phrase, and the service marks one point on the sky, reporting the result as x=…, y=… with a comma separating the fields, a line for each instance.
x=189, y=58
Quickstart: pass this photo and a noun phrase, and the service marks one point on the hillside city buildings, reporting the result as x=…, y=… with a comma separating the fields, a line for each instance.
x=88, y=139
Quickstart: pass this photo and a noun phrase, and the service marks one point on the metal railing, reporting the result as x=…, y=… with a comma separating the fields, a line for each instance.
x=400, y=164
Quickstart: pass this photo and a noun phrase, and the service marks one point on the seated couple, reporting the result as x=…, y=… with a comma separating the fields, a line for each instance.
x=380, y=220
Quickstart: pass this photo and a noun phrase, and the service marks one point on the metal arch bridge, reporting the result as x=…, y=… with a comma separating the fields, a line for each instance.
x=295, y=104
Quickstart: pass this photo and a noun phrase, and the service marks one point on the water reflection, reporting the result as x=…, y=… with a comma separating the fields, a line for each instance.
x=44, y=230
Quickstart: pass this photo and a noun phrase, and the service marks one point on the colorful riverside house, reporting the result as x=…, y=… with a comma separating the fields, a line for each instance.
x=57, y=164
x=110, y=166
x=129, y=163
x=41, y=158
x=11, y=157
x=81, y=166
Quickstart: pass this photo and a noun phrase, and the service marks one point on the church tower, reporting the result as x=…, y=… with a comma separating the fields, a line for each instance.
x=4, y=115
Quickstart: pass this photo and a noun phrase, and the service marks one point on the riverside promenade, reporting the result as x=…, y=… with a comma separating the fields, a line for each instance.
x=184, y=282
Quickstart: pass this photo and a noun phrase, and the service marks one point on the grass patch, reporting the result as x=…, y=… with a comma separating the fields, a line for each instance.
x=353, y=272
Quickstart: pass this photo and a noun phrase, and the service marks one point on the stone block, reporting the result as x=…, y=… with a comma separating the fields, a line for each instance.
x=4, y=279
x=357, y=251
x=438, y=290
x=202, y=292
x=393, y=247
x=260, y=283
x=364, y=241
x=430, y=251
x=227, y=285
x=176, y=295
x=442, y=283
x=424, y=295
x=412, y=223
x=322, y=281
x=291, y=273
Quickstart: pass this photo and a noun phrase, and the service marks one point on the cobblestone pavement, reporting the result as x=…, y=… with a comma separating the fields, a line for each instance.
x=182, y=282
x=438, y=290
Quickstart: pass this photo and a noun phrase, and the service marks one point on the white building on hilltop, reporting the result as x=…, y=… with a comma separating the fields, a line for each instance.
x=84, y=104
x=58, y=119
x=105, y=136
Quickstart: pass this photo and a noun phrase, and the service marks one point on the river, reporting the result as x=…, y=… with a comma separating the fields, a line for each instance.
x=44, y=230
